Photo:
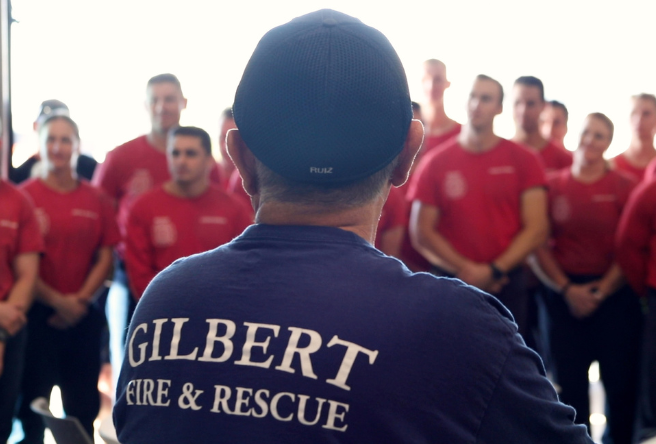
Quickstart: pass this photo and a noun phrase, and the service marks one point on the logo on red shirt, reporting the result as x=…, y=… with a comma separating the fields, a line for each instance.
x=561, y=209
x=164, y=233
x=455, y=186
x=44, y=220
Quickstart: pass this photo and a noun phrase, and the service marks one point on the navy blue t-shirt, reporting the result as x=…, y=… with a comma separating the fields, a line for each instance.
x=295, y=334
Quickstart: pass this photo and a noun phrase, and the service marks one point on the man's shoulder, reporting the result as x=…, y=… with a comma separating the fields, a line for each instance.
x=128, y=148
x=420, y=296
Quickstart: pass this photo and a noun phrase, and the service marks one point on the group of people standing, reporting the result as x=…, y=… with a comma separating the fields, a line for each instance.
x=482, y=209
x=477, y=207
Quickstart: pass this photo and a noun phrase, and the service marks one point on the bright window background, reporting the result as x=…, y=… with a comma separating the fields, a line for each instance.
x=97, y=56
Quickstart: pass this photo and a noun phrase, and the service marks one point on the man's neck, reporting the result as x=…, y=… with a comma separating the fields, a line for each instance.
x=157, y=140
x=437, y=122
x=61, y=180
x=186, y=190
x=477, y=140
x=362, y=220
x=532, y=139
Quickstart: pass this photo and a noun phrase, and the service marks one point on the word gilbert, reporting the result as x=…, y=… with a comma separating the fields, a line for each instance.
x=219, y=347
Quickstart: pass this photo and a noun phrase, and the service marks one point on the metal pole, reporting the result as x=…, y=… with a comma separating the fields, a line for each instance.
x=5, y=103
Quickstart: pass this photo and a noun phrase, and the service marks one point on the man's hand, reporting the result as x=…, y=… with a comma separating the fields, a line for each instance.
x=70, y=309
x=12, y=318
x=583, y=300
x=478, y=275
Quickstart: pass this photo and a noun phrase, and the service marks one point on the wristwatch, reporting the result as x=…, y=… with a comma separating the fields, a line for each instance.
x=4, y=335
x=496, y=273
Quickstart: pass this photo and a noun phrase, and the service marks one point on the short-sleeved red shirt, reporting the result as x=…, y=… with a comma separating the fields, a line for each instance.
x=163, y=227
x=131, y=169
x=584, y=219
x=622, y=164
x=636, y=237
x=394, y=214
x=74, y=226
x=19, y=233
x=478, y=194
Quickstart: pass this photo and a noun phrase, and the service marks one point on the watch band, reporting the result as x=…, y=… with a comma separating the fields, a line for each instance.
x=496, y=273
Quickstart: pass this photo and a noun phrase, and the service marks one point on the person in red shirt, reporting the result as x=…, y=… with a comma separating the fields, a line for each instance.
x=20, y=245
x=528, y=104
x=553, y=122
x=438, y=126
x=641, y=151
x=592, y=314
x=184, y=216
x=130, y=170
x=65, y=327
x=636, y=254
x=479, y=204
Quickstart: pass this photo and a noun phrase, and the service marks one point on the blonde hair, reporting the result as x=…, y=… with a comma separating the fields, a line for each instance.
x=605, y=120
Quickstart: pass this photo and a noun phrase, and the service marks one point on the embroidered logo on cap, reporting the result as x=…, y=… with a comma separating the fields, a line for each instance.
x=321, y=170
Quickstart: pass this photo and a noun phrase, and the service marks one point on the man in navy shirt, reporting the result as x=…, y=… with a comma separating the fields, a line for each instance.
x=299, y=331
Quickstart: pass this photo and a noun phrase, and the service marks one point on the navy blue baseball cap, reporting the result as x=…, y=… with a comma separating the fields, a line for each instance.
x=324, y=99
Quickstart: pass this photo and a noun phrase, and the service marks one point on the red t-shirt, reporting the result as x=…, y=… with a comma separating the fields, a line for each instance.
x=555, y=157
x=431, y=142
x=584, y=218
x=636, y=237
x=394, y=214
x=163, y=227
x=74, y=226
x=478, y=194
x=19, y=233
x=132, y=169
x=621, y=163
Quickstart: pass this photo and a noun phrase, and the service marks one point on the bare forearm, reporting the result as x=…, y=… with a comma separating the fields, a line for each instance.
x=97, y=275
x=21, y=294
x=550, y=269
x=611, y=281
x=439, y=252
x=522, y=245
x=26, y=269
x=46, y=294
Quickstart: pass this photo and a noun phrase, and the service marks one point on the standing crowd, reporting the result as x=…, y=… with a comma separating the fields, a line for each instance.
x=566, y=240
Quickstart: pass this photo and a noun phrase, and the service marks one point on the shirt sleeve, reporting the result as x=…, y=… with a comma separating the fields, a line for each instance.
x=423, y=183
x=29, y=234
x=532, y=171
x=106, y=178
x=139, y=254
x=633, y=235
x=524, y=406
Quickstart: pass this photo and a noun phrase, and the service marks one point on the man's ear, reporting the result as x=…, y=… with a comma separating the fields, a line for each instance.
x=413, y=142
x=244, y=160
